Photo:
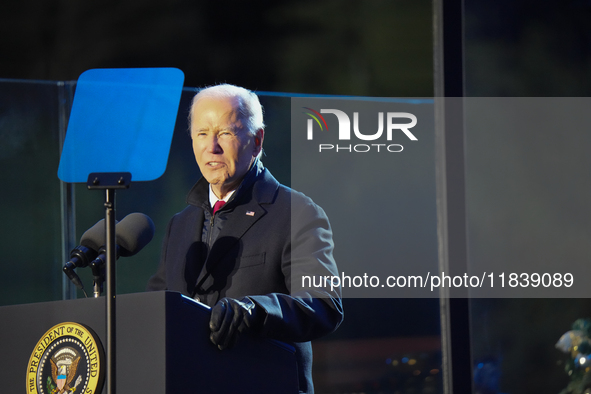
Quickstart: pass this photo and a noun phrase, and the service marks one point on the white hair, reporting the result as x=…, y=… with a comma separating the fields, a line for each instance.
x=249, y=106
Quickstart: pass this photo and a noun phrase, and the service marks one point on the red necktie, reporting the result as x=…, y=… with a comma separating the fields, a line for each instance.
x=218, y=205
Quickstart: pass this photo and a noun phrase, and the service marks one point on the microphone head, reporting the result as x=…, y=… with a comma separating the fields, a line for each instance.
x=134, y=232
x=94, y=237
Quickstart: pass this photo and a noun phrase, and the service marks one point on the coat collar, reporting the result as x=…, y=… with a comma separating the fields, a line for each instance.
x=258, y=178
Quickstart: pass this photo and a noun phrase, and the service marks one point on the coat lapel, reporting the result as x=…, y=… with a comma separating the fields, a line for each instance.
x=243, y=217
x=248, y=210
x=195, y=257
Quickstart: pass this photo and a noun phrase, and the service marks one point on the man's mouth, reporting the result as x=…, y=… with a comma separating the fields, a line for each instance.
x=214, y=163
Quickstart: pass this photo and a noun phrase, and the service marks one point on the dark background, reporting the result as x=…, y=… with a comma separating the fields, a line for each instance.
x=378, y=48
x=369, y=48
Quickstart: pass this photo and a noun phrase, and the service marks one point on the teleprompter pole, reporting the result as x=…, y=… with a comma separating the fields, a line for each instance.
x=111, y=290
x=110, y=182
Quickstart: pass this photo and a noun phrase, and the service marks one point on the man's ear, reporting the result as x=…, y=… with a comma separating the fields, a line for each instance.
x=258, y=141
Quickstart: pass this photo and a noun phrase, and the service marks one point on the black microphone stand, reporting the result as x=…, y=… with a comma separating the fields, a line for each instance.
x=110, y=181
x=98, y=276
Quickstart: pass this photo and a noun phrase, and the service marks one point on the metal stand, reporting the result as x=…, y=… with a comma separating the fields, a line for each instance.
x=110, y=182
x=451, y=204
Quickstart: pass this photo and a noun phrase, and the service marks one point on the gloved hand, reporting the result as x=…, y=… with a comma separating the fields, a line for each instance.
x=230, y=317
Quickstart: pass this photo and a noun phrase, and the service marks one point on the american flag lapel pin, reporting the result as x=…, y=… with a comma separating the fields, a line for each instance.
x=250, y=213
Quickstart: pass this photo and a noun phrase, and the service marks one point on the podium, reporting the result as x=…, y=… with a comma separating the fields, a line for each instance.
x=162, y=347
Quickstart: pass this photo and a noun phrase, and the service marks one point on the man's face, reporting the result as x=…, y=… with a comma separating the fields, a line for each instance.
x=223, y=148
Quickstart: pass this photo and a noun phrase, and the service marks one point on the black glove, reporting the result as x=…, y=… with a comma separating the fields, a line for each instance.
x=230, y=317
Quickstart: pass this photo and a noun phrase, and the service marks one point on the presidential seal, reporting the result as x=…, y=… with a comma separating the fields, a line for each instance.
x=67, y=359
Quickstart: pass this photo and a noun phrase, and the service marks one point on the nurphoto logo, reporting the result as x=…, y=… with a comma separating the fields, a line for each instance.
x=393, y=126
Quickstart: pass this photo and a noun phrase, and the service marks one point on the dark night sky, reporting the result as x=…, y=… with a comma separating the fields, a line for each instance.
x=331, y=47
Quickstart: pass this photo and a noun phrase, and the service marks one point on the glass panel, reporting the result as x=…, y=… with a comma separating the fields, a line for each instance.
x=529, y=219
x=30, y=201
x=527, y=189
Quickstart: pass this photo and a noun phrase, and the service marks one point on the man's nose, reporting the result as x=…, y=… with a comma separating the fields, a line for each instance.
x=213, y=145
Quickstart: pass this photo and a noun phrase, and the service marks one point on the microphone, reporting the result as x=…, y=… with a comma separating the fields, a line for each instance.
x=84, y=253
x=132, y=234
x=69, y=271
x=94, y=237
x=90, y=243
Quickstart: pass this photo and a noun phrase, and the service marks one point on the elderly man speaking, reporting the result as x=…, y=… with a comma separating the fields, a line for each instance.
x=244, y=240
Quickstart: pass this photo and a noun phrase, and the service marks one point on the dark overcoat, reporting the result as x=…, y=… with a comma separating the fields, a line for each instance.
x=265, y=243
